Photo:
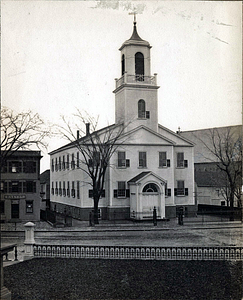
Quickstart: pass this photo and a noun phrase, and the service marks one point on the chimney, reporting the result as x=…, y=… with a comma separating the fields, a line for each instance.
x=77, y=134
x=87, y=128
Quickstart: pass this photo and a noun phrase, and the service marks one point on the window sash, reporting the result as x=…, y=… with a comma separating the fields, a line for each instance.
x=142, y=159
x=121, y=159
x=121, y=191
x=180, y=188
x=180, y=159
x=162, y=159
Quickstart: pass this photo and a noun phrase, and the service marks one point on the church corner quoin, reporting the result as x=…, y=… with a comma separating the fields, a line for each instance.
x=148, y=166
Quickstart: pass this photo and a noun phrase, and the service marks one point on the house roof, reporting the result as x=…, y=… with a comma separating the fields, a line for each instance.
x=201, y=137
x=45, y=176
x=86, y=137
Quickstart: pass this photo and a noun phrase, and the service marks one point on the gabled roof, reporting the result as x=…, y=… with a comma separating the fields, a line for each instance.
x=176, y=135
x=142, y=127
x=143, y=175
x=72, y=144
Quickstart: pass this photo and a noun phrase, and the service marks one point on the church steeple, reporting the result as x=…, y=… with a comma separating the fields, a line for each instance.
x=136, y=90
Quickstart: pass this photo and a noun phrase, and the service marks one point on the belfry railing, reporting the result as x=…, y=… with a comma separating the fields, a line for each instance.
x=136, y=79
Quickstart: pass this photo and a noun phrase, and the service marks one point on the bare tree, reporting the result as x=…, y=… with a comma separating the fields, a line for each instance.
x=225, y=147
x=96, y=148
x=20, y=132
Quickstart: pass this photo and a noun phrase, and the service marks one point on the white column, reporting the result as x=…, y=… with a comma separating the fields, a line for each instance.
x=29, y=240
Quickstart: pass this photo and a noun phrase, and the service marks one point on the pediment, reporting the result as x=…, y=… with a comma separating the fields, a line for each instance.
x=146, y=177
x=144, y=135
x=175, y=137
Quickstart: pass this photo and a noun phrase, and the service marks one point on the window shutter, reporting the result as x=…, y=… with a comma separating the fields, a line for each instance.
x=175, y=191
x=168, y=162
x=128, y=193
x=186, y=191
x=34, y=187
x=127, y=163
x=147, y=114
x=169, y=192
x=5, y=187
x=115, y=193
x=90, y=193
x=185, y=163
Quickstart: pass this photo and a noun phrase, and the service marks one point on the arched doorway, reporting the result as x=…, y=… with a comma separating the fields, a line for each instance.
x=150, y=199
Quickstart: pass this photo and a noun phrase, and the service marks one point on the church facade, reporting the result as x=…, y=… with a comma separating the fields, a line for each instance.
x=152, y=168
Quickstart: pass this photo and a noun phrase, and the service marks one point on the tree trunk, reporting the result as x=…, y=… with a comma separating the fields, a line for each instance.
x=231, y=206
x=96, y=211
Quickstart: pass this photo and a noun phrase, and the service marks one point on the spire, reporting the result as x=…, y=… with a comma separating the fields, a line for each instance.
x=135, y=35
x=135, y=39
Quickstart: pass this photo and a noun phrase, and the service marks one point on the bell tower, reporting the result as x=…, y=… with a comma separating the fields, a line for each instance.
x=136, y=100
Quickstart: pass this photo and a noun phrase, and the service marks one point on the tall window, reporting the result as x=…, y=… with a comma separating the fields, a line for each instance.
x=95, y=160
x=180, y=188
x=180, y=159
x=63, y=162
x=68, y=189
x=52, y=188
x=78, y=192
x=139, y=66
x=163, y=161
x=52, y=165
x=67, y=166
x=141, y=109
x=56, y=189
x=73, y=189
x=181, y=163
x=142, y=160
x=121, y=159
x=72, y=161
x=121, y=189
x=60, y=188
x=77, y=159
x=123, y=64
x=63, y=189
x=60, y=164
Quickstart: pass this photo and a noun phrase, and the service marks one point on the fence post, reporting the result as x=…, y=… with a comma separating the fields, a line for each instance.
x=29, y=240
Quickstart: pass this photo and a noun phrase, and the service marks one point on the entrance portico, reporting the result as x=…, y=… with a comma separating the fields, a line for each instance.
x=147, y=191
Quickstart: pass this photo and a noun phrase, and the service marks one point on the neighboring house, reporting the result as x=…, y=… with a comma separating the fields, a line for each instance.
x=45, y=189
x=20, y=187
x=209, y=180
x=153, y=167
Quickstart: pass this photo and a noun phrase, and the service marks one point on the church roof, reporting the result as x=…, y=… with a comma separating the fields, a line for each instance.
x=135, y=39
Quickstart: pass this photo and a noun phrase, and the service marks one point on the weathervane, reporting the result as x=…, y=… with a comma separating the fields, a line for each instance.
x=133, y=13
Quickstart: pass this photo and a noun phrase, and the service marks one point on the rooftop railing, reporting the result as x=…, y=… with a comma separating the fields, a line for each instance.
x=136, y=79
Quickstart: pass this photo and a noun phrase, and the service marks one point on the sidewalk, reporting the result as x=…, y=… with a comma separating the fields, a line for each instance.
x=189, y=223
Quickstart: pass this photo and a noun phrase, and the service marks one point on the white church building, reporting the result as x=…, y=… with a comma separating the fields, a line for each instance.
x=154, y=166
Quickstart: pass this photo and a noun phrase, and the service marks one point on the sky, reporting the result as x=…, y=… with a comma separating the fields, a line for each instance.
x=61, y=55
